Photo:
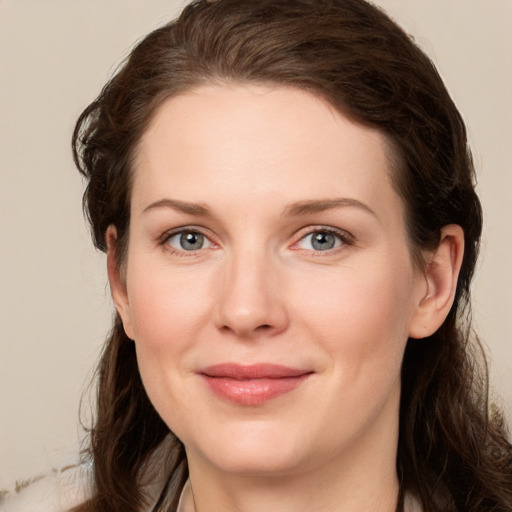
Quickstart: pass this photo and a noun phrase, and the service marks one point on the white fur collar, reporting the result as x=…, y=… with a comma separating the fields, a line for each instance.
x=59, y=491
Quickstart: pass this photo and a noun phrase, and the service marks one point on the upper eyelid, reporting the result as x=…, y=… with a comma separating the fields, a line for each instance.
x=342, y=233
x=188, y=228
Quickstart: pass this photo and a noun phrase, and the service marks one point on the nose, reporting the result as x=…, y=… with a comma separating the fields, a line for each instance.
x=250, y=300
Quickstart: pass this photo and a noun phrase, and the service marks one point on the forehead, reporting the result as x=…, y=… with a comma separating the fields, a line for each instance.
x=254, y=141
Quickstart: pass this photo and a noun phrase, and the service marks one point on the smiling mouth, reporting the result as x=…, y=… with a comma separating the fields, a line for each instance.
x=252, y=384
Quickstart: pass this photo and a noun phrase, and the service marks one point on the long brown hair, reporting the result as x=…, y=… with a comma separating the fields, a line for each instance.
x=452, y=454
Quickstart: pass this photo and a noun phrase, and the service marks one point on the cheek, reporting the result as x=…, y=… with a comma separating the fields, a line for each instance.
x=362, y=313
x=359, y=317
x=167, y=311
x=165, y=306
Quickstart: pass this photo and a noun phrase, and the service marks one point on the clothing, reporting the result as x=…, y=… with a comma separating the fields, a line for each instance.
x=411, y=504
x=59, y=491
x=62, y=490
x=186, y=503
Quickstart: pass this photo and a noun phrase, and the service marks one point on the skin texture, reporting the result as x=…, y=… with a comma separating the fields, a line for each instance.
x=261, y=169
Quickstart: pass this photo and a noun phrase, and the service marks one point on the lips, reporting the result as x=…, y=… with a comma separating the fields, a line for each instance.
x=252, y=384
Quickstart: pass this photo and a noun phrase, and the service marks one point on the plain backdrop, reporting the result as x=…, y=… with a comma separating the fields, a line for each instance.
x=55, y=308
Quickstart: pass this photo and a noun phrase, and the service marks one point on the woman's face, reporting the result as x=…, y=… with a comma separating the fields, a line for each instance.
x=269, y=285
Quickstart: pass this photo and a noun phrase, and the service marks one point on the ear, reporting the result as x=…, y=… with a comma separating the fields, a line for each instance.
x=117, y=281
x=441, y=273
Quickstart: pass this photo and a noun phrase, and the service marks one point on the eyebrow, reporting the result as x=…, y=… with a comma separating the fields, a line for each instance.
x=316, y=206
x=294, y=209
x=182, y=206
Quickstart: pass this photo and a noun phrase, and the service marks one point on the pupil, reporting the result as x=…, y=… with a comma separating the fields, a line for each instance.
x=191, y=241
x=323, y=241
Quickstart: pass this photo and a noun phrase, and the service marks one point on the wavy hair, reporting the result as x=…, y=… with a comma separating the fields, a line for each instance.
x=453, y=455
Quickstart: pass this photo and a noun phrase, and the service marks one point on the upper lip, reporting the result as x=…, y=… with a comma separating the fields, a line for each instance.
x=252, y=371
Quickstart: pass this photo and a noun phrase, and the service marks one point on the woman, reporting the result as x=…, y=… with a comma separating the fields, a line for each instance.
x=285, y=196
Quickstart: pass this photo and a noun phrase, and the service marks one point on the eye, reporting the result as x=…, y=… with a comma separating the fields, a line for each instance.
x=188, y=240
x=321, y=240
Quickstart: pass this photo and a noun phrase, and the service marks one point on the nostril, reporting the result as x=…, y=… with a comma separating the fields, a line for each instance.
x=259, y=330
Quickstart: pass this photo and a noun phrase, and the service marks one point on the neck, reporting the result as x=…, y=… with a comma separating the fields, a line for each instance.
x=298, y=494
x=362, y=478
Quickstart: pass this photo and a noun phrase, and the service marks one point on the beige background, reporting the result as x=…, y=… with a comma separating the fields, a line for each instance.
x=54, y=304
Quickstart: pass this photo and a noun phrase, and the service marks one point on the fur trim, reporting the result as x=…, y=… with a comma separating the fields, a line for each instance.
x=59, y=491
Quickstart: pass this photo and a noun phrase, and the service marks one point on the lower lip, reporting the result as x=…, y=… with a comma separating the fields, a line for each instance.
x=253, y=391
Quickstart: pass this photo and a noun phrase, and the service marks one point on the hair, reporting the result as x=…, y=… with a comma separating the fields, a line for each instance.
x=453, y=454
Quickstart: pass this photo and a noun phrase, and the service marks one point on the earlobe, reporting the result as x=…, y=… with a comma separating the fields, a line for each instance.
x=441, y=274
x=117, y=281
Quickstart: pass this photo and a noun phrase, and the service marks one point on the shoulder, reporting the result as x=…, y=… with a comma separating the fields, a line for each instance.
x=58, y=491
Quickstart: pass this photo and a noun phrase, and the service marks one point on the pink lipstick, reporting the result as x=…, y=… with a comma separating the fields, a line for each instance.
x=252, y=384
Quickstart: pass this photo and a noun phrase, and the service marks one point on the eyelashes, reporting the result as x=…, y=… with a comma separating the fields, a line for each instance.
x=317, y=240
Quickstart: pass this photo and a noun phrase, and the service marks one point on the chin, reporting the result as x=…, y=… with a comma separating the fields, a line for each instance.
x=253, y=450
x=268, y=463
